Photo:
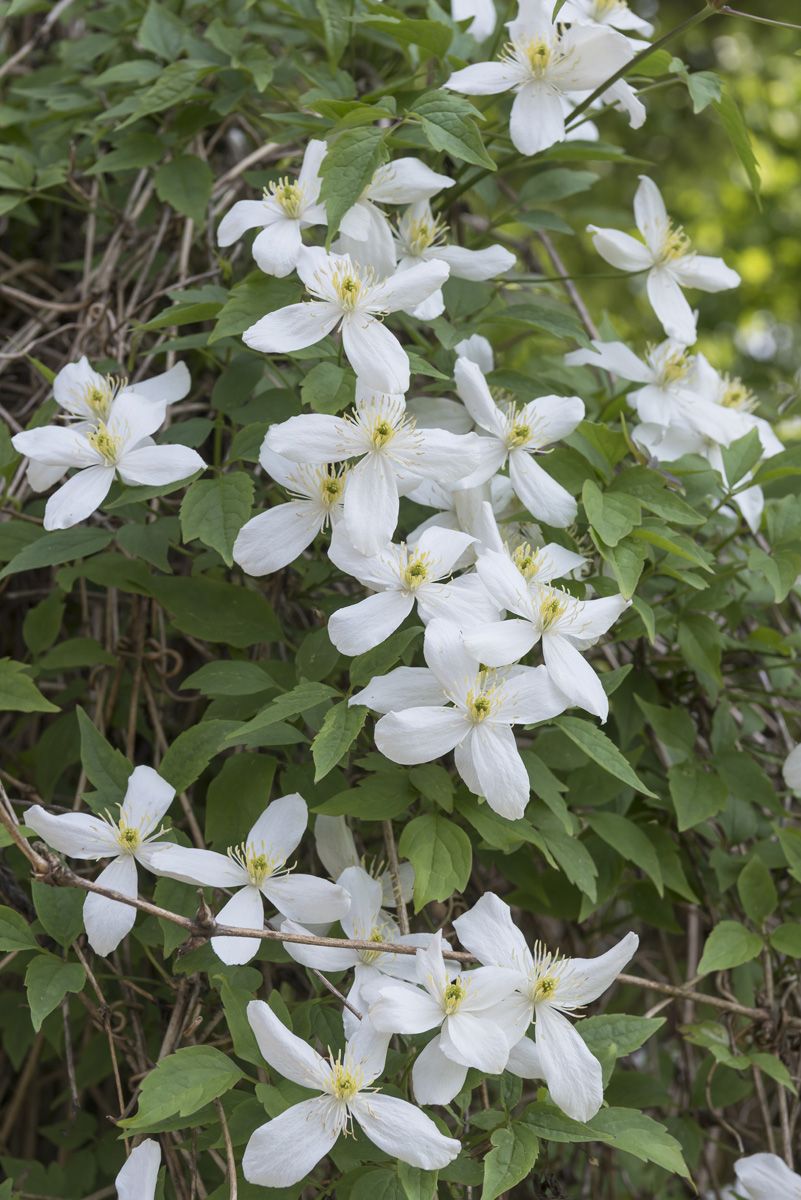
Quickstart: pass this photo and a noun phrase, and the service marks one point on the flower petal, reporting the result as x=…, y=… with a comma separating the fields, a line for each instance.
x=448, y=657
x=360, y=627
x=280, y=827
x=767, y=1177
x=651, y=215
x=436, y=1079
x=78, y=835
x=474, y=1041
x=612, y=356
x=57, y=446
x=530, y=695
x=503, y=777
x=375, y=354
x=537, y=119
x=156, y=465
x=138, y=1178
x=286, y=1053
x=590, y=56
x=501, y=642
x=404, y=1008
x=293, y=327
x=487, y=987
x=474, y=392
x=242, y=216
x=78, y=498
x=419, y=735
x=401, y=1130
x=203, y=867
x=275, y=538
x=524, y=1060
x=483, y=79
x=544, y=498
x=314, y=438
x=620, y=250
x=705, y=273
x=552, y=418
x=406, y=181
x=405, y=687
x=476, y=265
x=588, y=978
x=574, y=676
x=287, y=1148
x=108, y=921
x=572, y=1073
x=306, y=899
x=276, y=248
x=245, y=910
x=147, y=799
x=405, y=289
x=321, y=958
x=488, y=931
x=670, y=305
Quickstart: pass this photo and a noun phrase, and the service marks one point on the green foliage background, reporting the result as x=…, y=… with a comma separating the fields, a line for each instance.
x=133, y=637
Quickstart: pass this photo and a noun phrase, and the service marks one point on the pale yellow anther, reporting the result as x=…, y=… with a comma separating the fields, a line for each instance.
x=676, y=244
x=105, y=443
x=526, y=560
x=288, y=194
x=538, y=55
x=416, y=571
x=552, y=606
x=332, y=485
x=128, y=837
x=480, y=704
x=422, y=234
x=257, y=862
x=674, y=367
x=737, y=395
x=544, y=988
x=453, y=996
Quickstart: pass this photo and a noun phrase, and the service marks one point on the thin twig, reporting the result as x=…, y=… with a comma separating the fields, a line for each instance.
x=229, y=1151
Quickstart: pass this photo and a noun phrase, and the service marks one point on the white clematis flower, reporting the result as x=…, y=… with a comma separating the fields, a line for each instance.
x=285, y=1149
x=138, y=1178
x=548, y=987
x=286, y=209
x=365, y=232
x=542, y=64
x=131, y=838
x=336, y=850
x=258, y=870
x=350, y=296
x=766, y=1177
x=666, y=254
x=563, y=624
x=420, y=238
x=614, y=13
x=516, y=434
x=275, y=538
x=390, y=448
x=119, y=446
x=456, y=704
x=87, y=395
x=401, y=576
x=364, y=921
x=462, y=1006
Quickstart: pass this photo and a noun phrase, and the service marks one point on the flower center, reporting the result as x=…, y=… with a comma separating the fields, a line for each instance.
x=552, y=606
x=381, y=433
x=288, y=195
x=536, y=54
x=526, y=560
x=105, y=443
x=673, y=367
x=128, y=837
x=603, y=8
x=376, y=934
x=416, y=571
x=544, y=988
x=332, y=485
x=453, y=995
x=99, y=397
x=256, y=861
x=675, y=245
x=420, y=235
x=482, y=700
x=344, y=1084
x=737, y=395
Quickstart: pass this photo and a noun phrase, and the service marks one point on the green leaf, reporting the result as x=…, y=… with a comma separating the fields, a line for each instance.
x=60, y=910
x=175, y=83
x=739, y=136
x=416, y=1183
x=229, y=679
x=612, y=515
x=365, y=667
x=556, y=183
x=741, y=456
x=700, y=645
x=328, y=388
x=729, y=945
x=336, y=28
x=781, y=568
x=236, y=797
x=638, y=1134
x=697, y=794
x=60, y=546
x=301, y=699
x=449, y=124
x=105, y=767
x=47, y=981
x=626, y=1034
x=348, y=167
x=192, y=751
x=214, y=510
x=217, y=612
x=511, y=1159
x=786, y=938
x=182, y=1083
x=161, y=32
x=757, y=891
x=251, y=299
x=15, y=933
x=630, y=842
x=431, y=36
x=441, y=854
x=18, y=692
x=338, y=732
x=185, y=184
x=597, y=746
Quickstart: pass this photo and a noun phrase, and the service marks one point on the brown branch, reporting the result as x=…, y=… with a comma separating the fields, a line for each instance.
x=229, y=1151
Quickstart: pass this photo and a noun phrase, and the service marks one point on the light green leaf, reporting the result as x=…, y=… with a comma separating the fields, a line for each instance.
x=729, y=945
x=597, y=746
x=108, y=769
x=60, y=546
x=328, y=388
x=697, y=794
x=449, y=124
x=739, y=136
x=47, y=981
x=192, y=751
x=786, y=938
x=15, y=933
x=757, y=891
x=182, y=1083
x=441, y=854
x=60, y=911
x=18, y=692
x=214, y=510
x=338, y=732
x=226, y=678
x=511, y=1159
x=217, y=612
x=185, y=184
x=741, y=456
x=612, y=515
x=347, y=169
x=630, y=842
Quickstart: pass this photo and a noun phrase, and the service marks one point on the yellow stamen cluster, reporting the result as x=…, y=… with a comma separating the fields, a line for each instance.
x=376, y=934
x=381, y=433
x=737, y=395
x=453, y=996
x=480, y=701
x=537, y=53
x=548, y=969
x=676, y=244
x=552, y=607
x=350, y=284
x=674, y=367
x=345, y=1083
x=128, y=837
x=526, y=560
x=99, y=397
x=416, y=571
x=105, y=443
x=544, y=988
x=602, y=8
x=288, y=194
x=332, y=485
x=258, y=864
x=420, y=235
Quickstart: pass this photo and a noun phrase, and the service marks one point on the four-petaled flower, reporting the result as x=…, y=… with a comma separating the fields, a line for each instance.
x=288, y=1147
x=667, y=255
